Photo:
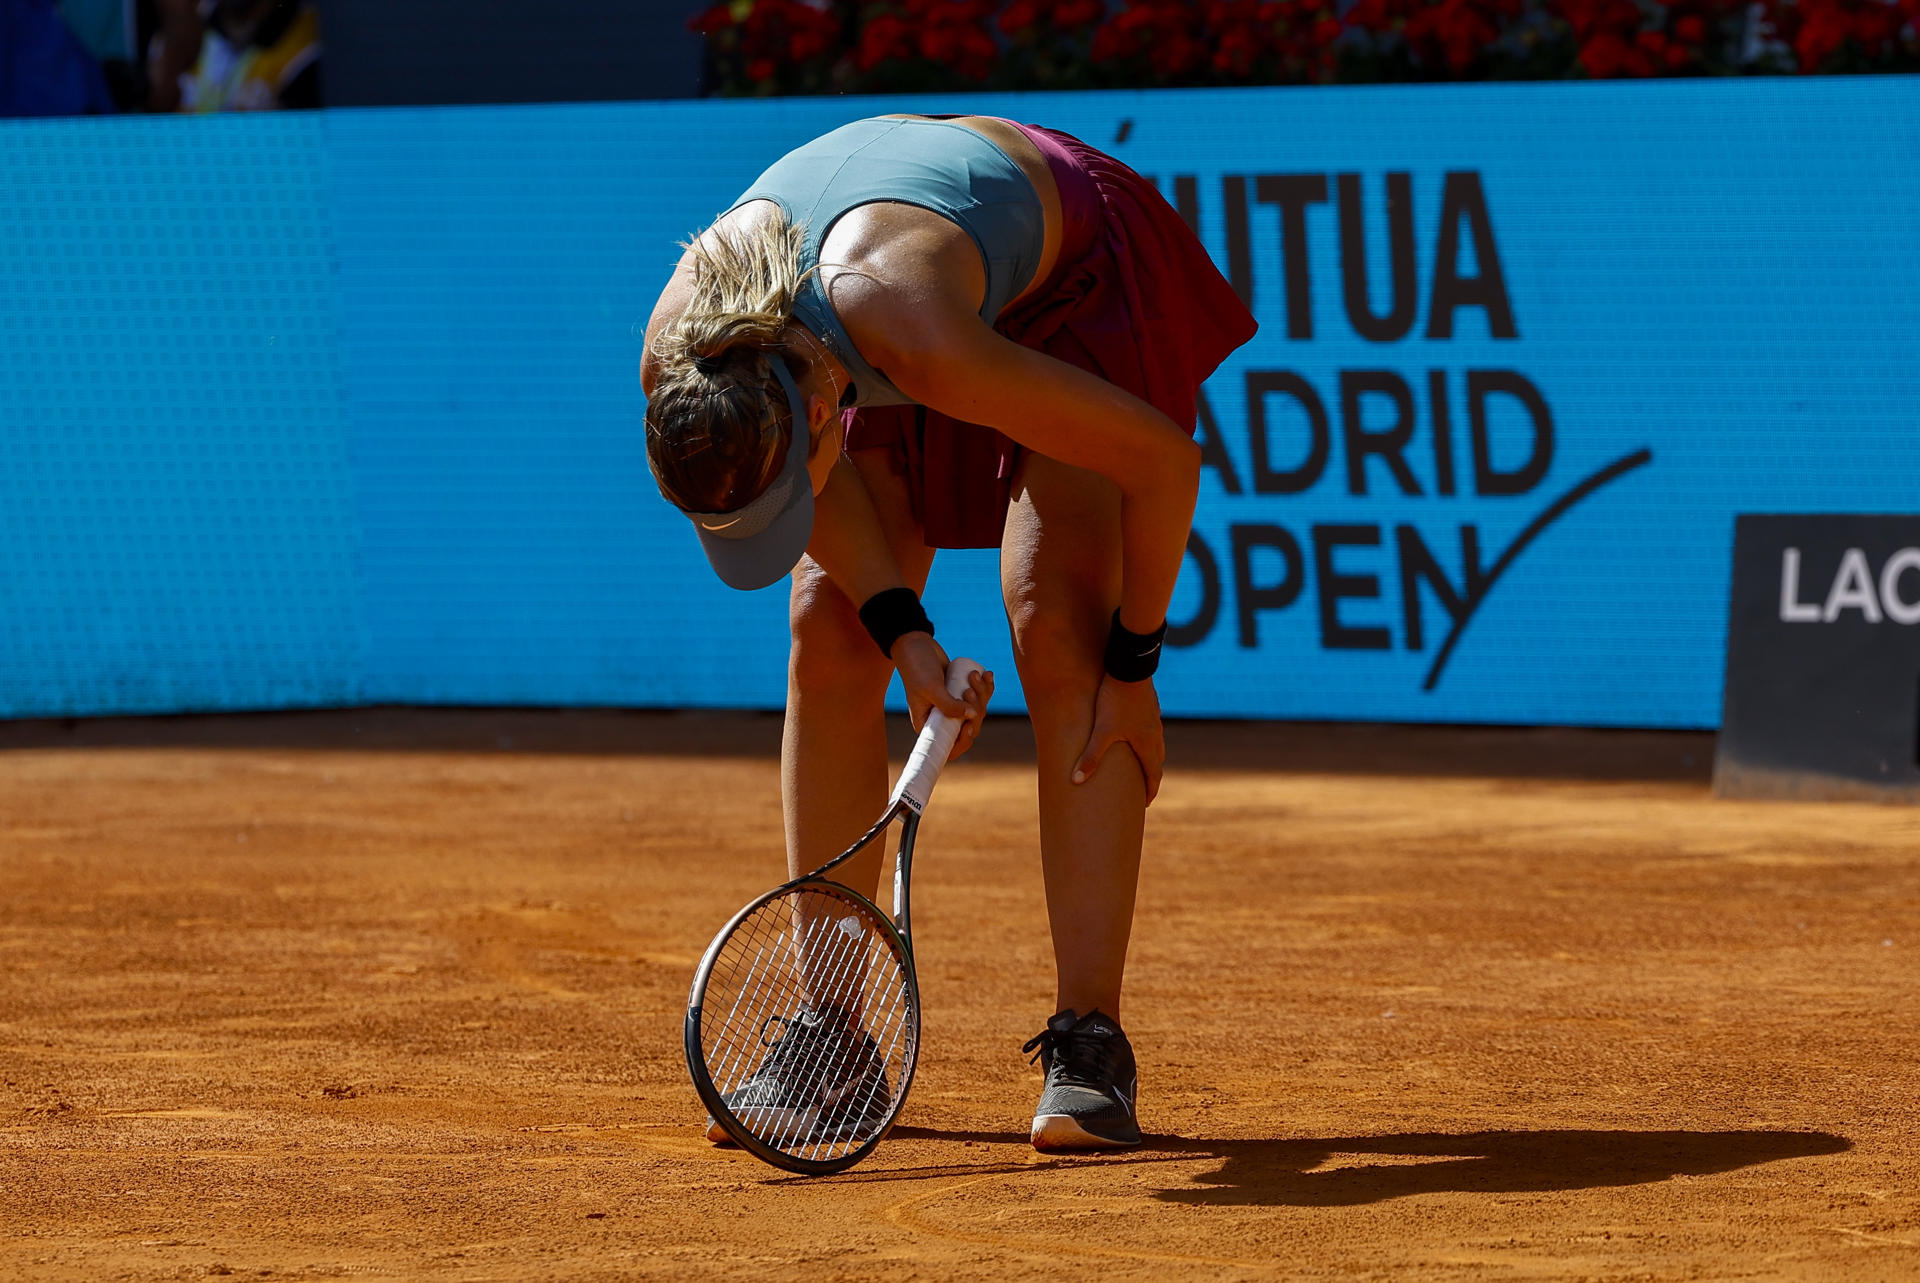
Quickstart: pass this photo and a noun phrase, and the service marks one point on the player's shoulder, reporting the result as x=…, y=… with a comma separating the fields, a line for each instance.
x=907, y=281
x=904, y=330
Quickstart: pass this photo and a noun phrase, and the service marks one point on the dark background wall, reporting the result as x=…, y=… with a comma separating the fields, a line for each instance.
x=383, y=53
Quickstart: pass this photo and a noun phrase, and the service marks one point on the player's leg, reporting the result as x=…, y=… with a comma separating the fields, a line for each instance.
x=1060, y=576
x=833, y=754
x=833, y=786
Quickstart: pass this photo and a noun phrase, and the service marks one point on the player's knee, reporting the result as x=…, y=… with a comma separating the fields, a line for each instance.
x=1057, y=647
x=832, y=654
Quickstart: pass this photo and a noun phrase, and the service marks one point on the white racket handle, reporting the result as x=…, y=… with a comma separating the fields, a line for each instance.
x=936, y=741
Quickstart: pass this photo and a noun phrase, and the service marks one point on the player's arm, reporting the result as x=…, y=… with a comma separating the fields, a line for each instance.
x=850, y=544
x=848, y=540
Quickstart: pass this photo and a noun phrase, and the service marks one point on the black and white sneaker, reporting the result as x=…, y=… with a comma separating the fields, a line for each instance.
x=854, y=1109
x=822, y=1078
x=1088, y=1102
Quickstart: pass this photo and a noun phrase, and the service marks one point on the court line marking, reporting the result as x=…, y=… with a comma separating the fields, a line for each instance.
x=1878, y=1240
x=906, y=1214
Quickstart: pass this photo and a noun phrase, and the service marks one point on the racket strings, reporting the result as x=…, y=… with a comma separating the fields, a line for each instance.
x=862, y=1107
x=820, y=1049
x=726, y=1065
x=850, y=1052
x=897, y=1029
x=808, y=1023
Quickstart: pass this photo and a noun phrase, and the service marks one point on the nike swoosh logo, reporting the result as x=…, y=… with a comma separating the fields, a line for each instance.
x=1126, y=1102
x=717, y=525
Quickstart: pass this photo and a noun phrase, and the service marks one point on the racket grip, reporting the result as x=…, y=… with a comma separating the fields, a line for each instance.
x=930, y=751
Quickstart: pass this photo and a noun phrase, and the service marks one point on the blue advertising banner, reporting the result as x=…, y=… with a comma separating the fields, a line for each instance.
x=176, y=496
x=1525, y=351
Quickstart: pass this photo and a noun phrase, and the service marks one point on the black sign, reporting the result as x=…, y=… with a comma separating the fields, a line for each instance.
x=1823, y=660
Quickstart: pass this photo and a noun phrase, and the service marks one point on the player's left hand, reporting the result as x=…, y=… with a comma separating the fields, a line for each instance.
x=1126, y=713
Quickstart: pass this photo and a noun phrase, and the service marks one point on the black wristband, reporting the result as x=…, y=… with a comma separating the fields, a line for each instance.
x=1133, y=657
x=891, y=614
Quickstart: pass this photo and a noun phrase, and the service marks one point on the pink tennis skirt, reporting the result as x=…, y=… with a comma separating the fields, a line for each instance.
x=1133, y=298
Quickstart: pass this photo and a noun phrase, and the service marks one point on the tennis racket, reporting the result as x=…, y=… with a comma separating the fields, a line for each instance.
x=803, y=1025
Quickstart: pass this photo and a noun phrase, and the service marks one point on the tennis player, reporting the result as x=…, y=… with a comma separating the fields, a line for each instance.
x=955, y=332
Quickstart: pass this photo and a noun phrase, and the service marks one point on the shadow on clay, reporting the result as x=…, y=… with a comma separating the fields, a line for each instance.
x=1354, y=1170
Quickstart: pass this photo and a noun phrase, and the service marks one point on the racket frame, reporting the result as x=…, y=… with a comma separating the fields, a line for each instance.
x=909, y=799
x=896, y=929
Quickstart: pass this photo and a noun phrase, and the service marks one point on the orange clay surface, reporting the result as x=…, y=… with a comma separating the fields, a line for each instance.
x=398, y=995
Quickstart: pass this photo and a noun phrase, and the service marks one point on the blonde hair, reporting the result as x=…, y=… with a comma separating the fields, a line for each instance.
x=718, y=424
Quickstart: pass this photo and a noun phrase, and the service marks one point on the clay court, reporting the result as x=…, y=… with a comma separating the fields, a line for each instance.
x=398, y=994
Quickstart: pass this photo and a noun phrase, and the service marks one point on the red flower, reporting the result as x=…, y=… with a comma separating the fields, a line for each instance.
x=1603, y=56
x=709, y=21
x=802, y=45
x=1692, y=29
x=950, y=32
x=1176, y=55
x=1377, y=16
x=1592, y=18
x=761, y=70
x=1875, y=24
x=1237, y=49
x=977, y=54
x=1821, y=36
x=1453, y=31
x=1021, y=15
x=1069, y=14
x=885, y=38
x=1607, y=56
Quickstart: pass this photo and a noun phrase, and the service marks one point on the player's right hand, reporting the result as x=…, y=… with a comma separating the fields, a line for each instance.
x=923, y=675
x=1126, y=713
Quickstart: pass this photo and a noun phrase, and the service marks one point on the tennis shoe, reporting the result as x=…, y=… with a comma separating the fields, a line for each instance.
x=822, y=1078
x=1092, y=1084
x=858, y=1104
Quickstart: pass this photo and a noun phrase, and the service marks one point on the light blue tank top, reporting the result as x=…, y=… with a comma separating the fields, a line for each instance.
x=934, y=164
